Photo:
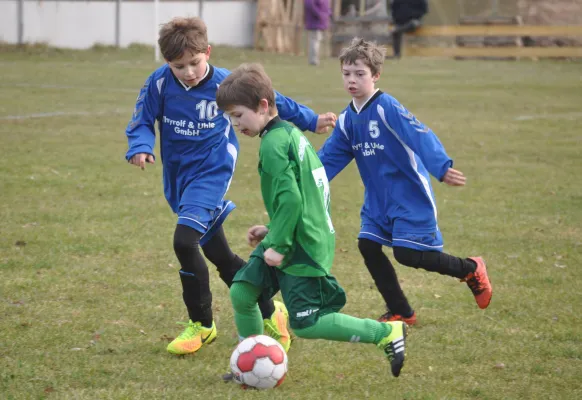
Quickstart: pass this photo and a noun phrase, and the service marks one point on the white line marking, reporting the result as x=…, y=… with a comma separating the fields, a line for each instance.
x=60, y=114
x=46, y=86
x=571, y=115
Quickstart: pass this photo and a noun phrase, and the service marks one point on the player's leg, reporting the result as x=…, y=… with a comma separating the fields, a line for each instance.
x=273, y=313
x=257, y=274
x=425, y=251
x=200, y=330
x=434, y=261
x=479, y=283
x=390, y=336
x=247, y=317
x=314, y=304
x=219, y=253
x=370, y=242
x=255, y=281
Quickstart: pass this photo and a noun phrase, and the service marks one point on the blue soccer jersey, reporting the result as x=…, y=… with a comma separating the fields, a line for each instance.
x=395, y=153
x=198, y=146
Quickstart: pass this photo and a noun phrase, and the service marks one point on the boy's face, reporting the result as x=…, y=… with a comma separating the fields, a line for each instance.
x=247, y=121
x=191, y=67
x=358, y=80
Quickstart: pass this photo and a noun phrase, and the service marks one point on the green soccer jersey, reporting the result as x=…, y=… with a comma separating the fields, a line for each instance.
x=296, y=194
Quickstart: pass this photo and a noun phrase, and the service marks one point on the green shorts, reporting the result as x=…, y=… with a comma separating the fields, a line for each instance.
x=306, y=298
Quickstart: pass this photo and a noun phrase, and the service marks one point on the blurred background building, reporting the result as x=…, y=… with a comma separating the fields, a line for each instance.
x=82, y=23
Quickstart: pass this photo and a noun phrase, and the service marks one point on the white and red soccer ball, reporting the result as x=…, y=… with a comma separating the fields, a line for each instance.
x=260, y=362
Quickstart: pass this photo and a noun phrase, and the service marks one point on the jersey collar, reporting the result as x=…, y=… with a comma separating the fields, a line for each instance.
x=269, y=126
x=377, y=93
x=207, y=75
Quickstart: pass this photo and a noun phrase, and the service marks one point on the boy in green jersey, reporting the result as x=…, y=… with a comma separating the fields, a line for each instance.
x=294, y=253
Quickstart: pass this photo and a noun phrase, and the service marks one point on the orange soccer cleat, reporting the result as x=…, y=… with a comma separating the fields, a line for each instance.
x=479, y=283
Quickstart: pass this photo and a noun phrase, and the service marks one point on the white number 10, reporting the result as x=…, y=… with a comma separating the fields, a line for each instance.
x=207, y=110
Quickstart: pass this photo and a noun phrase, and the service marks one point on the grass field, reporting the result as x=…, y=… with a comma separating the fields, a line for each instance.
x=89, y=288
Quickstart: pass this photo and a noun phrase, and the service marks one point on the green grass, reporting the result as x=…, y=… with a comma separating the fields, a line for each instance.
x=90, y=292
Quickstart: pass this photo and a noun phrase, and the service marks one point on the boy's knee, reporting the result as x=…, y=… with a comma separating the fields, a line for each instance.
x=236, y=295
x=221, y=255
x=369, y=248
x=408, y=257
x=186, y=240
x=241, y=297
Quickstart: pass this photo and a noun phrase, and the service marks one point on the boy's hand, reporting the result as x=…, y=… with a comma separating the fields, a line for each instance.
x=454, y=178
x=272, y=258
x=255, y=234
x=140, y=160
x=325, y=121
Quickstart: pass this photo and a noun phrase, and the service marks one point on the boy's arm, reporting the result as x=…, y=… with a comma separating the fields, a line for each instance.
x=283, y=193
x=141, y=131
x=419, y=138
x=287, y=209
x=336, y=153
x=302, y=117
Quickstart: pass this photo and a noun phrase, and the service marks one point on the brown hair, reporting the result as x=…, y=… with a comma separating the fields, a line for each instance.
x=369, y=53
x=246, y=86
x=181, y=35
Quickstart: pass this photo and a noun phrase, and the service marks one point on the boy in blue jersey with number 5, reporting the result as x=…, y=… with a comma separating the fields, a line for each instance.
x=198, y=149
x=395, y=154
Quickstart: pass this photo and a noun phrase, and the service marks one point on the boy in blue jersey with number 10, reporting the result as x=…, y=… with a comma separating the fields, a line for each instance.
x=198, y=149
x=395, y=154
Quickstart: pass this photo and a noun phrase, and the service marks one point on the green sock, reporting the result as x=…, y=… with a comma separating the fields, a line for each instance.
x=345, y=328
x=247, y=315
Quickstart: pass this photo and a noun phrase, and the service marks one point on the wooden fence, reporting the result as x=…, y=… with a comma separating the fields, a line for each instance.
x=442, y=39
x=279, y=28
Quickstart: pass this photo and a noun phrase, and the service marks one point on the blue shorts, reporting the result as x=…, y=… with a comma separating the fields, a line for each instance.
x=204, y=220
x=418, y=241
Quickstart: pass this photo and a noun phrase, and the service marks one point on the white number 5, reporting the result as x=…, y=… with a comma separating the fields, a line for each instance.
x=374, y=130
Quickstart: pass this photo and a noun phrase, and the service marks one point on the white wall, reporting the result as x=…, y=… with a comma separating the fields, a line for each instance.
x=81, y=24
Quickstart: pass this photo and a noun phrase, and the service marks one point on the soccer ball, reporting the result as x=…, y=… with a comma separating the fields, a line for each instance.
x=260, y=362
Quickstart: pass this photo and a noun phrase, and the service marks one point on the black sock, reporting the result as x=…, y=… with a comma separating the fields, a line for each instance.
x=218, y=252
x=199, y=309
x=435, y=261
x=385, y=278
x=193, y=275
